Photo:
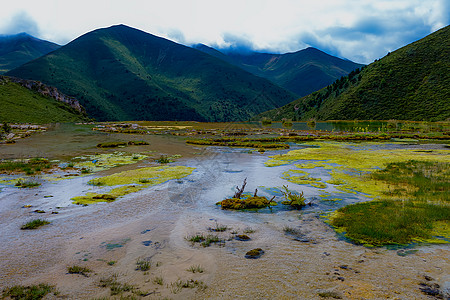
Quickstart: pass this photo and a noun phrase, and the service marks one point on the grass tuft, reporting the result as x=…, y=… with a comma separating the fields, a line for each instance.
x=33, y=292
x=34, y=224
x=79, y=270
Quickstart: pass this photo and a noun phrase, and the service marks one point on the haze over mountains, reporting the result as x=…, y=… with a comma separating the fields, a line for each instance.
x=21, y=48
x=411, y=83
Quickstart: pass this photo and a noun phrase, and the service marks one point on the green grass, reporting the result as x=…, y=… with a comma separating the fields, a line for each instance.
x=143, y=264
x=33, y=292
x=115, y=286
x=34, y=224
x=196, y=269
x=31, y=166
x=158, y=280
x=79, y=270
x=21, y=105
x=385, y=222
x=204, y=240
x=28, y=183
x=415, y=209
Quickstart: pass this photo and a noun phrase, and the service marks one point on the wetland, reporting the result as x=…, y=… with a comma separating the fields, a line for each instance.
x=351, y=210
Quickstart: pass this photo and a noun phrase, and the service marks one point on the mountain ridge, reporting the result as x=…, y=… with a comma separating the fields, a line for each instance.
x=21, y=48
x=122, y=73
x=411, y=83
x=301, y=72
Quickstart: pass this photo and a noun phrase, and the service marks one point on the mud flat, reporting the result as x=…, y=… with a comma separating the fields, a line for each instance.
x=304, y=258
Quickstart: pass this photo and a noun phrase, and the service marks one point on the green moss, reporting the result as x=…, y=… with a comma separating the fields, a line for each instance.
x=130, y=182
x=100, y=162
x=254, y=253
x=248, y=202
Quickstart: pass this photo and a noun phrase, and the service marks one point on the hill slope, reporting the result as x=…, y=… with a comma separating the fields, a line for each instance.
x=35, y=103
x=411, y=83
x=121, y=73
x=15, y=50
x=301, y=72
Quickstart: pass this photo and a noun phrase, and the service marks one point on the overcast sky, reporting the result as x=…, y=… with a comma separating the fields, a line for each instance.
x=360, y=30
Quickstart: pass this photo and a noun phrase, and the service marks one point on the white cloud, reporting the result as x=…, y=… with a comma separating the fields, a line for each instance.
x=359, y=30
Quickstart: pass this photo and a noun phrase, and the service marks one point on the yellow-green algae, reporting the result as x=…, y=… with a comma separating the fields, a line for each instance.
x=349, y=164
x=130, y=181
x=352, y=167
x=104, y=161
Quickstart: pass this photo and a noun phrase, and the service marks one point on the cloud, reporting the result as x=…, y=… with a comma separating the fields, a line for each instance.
x=21, y=22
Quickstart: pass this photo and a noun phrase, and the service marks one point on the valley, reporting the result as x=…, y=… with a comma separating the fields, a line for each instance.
x=138, y=244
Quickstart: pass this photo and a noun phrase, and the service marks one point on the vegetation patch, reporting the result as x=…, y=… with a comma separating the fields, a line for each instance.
x=79, y=270
x=205, y=240
x=27, y=183
x=131, y=181
x=111, y=144
x=143, y=264
x=382, y=222
x=34, y=224
x=239, y=202
x=293, y=199
x=196, y=269
x=33, y=292
x=101, y=162
x=29, y=167
x=350, y=164
x=254, y=253
x=115, y=286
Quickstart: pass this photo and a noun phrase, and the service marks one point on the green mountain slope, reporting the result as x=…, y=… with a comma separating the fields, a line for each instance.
x=411, y=83
x=301, y=72
x=15, y=50
x=19, y=104
x=121, y=73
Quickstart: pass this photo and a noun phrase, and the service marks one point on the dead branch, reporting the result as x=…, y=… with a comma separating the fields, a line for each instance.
x=239, y=192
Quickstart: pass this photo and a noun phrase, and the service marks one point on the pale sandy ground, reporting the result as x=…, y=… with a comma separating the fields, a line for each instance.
x=166, y=215
x=289, y=269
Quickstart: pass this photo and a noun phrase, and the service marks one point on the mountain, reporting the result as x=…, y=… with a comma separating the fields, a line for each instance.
x=411, y=83
x=15, y=50
x=301, y=72
x=24, y=101
x=121, y=73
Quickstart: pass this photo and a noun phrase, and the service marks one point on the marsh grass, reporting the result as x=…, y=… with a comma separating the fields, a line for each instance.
x=292, y=231
x=195, y=269
x=111, y=144
x=389, y=221
x=422, y=180
x=163, y=159
x=28, y=183
x=293, y=199
x=158, y=280
x=204, y=240
x=34, y=224
x=33, y=292
x=218, y=228
x=143, y=264
x=115, y=286
x=424, y=188
x=79, y=270
x=28, y=167
x=178, y=285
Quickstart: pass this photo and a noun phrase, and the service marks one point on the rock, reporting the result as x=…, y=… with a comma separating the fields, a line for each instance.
x=10, y=135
